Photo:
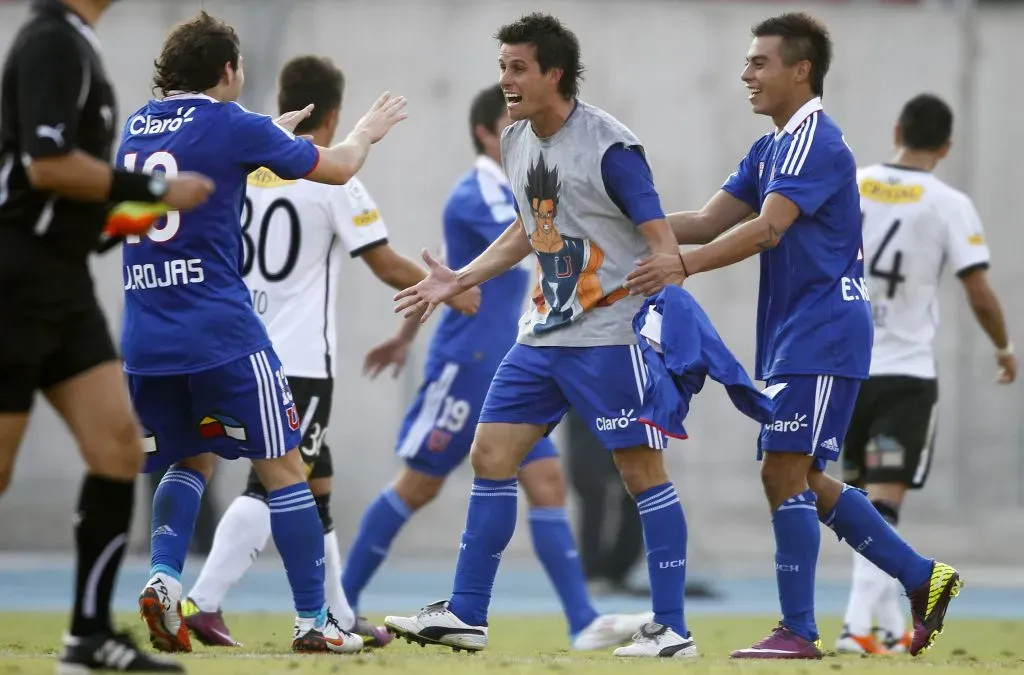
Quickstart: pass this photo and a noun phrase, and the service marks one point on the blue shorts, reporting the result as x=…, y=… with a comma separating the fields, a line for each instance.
x=438, y=428
x=538, y=385
x=811, y=416
x=241, y=409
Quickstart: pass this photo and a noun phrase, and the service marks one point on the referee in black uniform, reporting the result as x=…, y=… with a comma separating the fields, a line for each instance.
x=57, y=126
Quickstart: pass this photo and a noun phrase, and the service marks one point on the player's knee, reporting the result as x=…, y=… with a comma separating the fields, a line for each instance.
x=117, y=453
x=417, y=489
x=783, y=477
x=203, y=464
x=492, y=461
x=543, y=483
x=640, y=469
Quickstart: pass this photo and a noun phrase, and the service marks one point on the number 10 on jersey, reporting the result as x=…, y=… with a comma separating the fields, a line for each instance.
x=164, y=163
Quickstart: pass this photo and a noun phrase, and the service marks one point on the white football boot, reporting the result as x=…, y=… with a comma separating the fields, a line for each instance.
x=609, y=630
x=654, y=640
x=436, y=625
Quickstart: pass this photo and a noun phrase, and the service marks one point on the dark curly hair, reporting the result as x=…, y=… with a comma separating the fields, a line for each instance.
x=194, y=54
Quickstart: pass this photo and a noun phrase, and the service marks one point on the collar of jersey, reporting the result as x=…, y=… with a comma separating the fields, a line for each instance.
x=805, y=111
x=492, y=168
x=187, y=95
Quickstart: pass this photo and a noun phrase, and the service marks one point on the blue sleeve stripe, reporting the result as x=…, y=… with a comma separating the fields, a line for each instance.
x=800, y=146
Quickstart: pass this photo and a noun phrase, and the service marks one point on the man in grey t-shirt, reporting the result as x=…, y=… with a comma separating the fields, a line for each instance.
x=588, y=210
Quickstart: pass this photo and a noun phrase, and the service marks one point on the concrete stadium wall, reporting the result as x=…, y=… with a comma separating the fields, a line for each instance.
x=677, y=86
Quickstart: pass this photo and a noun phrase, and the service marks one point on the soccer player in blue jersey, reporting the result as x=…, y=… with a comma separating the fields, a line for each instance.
x=814, y=329
x=587, y=209
x=203, y=376
x=464, y=354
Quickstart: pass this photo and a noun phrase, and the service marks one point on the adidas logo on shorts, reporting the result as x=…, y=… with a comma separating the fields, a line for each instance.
x=832, y=445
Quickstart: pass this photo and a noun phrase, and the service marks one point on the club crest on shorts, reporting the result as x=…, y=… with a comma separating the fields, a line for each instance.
x=293, y=417
x=217, y=426
x=438, y=440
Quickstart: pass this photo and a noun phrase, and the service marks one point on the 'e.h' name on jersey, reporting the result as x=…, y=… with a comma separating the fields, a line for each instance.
x=914, y=224
x=187, y=308
x=292, y=261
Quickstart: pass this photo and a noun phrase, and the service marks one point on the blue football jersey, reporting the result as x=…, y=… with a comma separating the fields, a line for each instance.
x=478, y=210
x=813, y=312
x=187, y=308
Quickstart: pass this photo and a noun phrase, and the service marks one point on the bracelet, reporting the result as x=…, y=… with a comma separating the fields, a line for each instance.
x=127, y=186
x=683, y=264
x=1005, y=351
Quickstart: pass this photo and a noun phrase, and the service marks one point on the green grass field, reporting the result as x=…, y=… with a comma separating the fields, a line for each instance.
x=527, y=646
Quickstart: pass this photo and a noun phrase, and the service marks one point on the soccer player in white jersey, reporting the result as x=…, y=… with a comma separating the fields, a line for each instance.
x=914, y=227
x=294, y=233
x=814, y=328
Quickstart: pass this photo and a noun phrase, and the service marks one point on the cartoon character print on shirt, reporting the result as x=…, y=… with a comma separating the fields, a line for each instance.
x=567, y=267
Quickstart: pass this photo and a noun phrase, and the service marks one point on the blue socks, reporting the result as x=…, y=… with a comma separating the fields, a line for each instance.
x=856, y=520
x=299, y=537
x=665, y=540
x=489, y=526
x=379, y=527
x=797, y=539
x=554, y=545
x=175, y=508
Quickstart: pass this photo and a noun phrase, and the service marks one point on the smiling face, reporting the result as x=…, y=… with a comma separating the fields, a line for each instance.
x=771, y=84
x=527, y=90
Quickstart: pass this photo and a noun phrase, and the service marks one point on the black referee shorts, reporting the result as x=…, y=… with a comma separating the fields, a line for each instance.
x=42, y=349
x=891, y=438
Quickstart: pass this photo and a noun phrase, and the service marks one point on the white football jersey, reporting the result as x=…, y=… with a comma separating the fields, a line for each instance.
x=914, y=226
x=291, y=232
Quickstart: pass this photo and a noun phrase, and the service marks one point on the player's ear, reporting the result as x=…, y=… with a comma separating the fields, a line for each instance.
x=944, y=150
x=897, y=136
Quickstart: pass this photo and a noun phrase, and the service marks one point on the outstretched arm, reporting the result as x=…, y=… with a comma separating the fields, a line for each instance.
x=755, y=236
x=442, y=283
x=701, y=227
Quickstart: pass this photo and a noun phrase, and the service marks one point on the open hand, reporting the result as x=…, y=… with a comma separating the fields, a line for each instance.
x=292, y=119
x=654, y=273
x=385, y=113
x=392, y=352
x=440, y=284
x=467, y=302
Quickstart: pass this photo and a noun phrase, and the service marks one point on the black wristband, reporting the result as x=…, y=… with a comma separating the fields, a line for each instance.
x=126, y=186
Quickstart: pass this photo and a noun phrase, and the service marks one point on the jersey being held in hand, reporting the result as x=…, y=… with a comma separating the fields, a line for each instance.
x=292, y=260
x=187, y=308
x=813, y=313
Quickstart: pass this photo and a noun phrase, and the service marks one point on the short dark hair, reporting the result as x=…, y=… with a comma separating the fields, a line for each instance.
x=556, y=45
x=310, y=79
x=804, y=38
x=487, y=108
x=194, y=54
x=926, y=122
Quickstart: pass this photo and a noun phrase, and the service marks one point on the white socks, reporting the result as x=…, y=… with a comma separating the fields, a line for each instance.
x=242, y=534
x=336, y=600
x=874, y=600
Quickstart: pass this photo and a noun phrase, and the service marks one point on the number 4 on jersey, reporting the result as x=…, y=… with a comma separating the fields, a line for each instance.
x=892, y=275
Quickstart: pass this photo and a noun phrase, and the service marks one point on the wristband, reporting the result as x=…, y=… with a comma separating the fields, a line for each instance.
x=1005, y=351
x=126, y=186
x=683, y=264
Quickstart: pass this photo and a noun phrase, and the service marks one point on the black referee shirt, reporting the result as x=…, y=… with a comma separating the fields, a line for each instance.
x=55, y=98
